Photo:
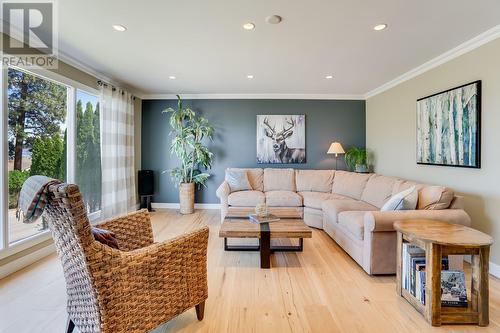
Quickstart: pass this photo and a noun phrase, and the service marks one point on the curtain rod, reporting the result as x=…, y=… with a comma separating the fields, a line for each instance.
x=104, y=84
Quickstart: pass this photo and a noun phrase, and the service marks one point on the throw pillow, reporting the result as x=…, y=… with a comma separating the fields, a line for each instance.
x=105, y=237
x=237, y=180
x=435, y=197
x=405, y=200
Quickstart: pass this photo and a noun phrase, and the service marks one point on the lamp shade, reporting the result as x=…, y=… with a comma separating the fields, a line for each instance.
x=336, y=148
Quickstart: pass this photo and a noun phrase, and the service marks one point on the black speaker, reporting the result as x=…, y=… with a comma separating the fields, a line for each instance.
x=146, y=182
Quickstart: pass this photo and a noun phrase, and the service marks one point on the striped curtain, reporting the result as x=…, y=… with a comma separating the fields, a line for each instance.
x=117, y=152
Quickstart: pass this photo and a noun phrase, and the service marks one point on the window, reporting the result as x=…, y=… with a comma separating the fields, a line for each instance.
x=51, y=128
x=36, y=140
x=88, y=149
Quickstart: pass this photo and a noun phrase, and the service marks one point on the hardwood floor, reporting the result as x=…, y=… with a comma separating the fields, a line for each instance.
x=318, y=290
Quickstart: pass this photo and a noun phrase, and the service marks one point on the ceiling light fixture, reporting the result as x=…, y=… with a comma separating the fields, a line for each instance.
x=119, y=27
x=274, y=19
x=172, y=77
x=380, y=27
x=249, y=26
x=328, y=77
x=250, y=76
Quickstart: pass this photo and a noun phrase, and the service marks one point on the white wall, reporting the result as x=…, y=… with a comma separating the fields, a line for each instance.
x=391, y=135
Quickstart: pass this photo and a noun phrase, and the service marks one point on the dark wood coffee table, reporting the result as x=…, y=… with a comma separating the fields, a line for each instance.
x=241, y=227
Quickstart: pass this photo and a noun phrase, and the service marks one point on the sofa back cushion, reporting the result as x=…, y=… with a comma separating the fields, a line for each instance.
x=378, y=190
x=279, y=180
x=435, y=197
x=314, y=180
x=350, y=184
x=255, y=177
x=400, y=185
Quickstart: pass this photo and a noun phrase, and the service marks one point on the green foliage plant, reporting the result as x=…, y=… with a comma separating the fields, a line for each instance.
x=188, y=131
x=355, y=157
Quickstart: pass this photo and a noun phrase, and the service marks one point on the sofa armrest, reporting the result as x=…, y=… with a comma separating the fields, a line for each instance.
x=383, y=221
x=223, y=191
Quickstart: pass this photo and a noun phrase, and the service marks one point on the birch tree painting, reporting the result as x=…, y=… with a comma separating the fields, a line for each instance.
x=448, y=127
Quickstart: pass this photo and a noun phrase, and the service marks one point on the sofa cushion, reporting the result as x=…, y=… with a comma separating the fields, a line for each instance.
x=378, y=190
x=331, y=208
x=283, y=199
x=255, y=177
x=350, y=184
x=314, y=180
x=435, y=197
x=400, y=185
x=246, y=198
x=316, y=199
x=237, y=180
x=279, y=180
x=353, y=223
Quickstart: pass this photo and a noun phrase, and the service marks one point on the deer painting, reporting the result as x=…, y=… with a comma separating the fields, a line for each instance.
x=282, y=152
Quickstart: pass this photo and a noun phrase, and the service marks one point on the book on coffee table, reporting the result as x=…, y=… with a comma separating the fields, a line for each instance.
x=263, y=219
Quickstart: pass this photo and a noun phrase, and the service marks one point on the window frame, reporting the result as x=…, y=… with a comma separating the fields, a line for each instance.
x=7, y=248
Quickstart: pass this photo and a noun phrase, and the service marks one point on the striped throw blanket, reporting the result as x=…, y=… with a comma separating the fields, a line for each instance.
x=33, y=198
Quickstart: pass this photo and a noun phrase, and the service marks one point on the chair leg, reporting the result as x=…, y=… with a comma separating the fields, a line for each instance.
x=70, y=326
x=200, y=310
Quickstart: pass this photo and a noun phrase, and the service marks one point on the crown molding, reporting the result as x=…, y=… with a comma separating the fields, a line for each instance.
x=258, y=96
x=461, y=49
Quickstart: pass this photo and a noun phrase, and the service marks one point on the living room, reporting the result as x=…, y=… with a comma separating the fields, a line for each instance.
x=224, y=166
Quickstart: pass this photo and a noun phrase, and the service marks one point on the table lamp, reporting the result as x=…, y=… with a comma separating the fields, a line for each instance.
x=336, y=148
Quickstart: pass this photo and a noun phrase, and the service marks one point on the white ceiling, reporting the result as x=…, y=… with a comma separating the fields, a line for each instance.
x=203, y=44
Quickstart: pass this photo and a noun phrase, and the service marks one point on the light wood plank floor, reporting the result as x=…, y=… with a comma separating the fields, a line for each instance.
x=319, y=290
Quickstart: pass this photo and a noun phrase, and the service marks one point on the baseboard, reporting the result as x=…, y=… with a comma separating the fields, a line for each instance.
x=175, y=205
x=26, y=260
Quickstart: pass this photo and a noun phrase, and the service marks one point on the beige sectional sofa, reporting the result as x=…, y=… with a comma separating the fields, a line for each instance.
x=346, y=205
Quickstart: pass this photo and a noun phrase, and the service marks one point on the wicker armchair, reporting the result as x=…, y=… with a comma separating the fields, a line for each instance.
x=134, y=289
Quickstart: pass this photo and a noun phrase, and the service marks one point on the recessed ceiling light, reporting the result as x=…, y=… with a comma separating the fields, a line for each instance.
x=328, y=77
x=380, y=27
x=172, y=77
x=250, y=76
x=119, y=27
x=249, y=26
x=274, y=19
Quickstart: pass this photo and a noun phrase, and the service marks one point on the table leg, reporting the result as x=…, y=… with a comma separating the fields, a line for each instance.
x=433, y=284
x=480, y=285
x=399, y=245
x=265, y=246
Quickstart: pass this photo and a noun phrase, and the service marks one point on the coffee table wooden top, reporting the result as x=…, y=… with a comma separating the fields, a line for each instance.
x=443, y=233
x=238, y=227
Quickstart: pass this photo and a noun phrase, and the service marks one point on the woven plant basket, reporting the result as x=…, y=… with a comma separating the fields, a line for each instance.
x=186, y=198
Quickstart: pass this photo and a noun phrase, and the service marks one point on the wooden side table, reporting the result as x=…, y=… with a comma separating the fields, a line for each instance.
x=440, y=239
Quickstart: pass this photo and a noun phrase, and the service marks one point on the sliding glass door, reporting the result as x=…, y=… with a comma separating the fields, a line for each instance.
x=51, y=128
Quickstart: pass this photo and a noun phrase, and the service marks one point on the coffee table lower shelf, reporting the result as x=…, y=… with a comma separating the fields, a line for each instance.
x=292, y=228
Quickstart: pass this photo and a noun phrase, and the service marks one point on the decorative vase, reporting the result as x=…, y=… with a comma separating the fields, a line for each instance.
x=261, y=210
x=186, y=198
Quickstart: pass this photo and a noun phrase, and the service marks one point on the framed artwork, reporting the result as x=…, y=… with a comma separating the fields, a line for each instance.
x=448, y=127
x=281, y=139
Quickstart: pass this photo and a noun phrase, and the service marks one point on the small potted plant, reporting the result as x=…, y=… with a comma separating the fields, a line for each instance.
x=188, y=132
x=356, y=160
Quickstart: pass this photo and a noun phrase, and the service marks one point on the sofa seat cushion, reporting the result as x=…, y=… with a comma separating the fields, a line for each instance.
x=350, y=184
x=246, y=198
x=316, y=199
x=283, y=199
x=332, y=208
x=353, y=223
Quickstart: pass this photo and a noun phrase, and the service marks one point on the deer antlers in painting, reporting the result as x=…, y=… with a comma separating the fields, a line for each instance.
x=282, y=152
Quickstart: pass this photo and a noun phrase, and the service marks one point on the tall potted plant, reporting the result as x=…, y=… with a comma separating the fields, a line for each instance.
x=188, y=132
